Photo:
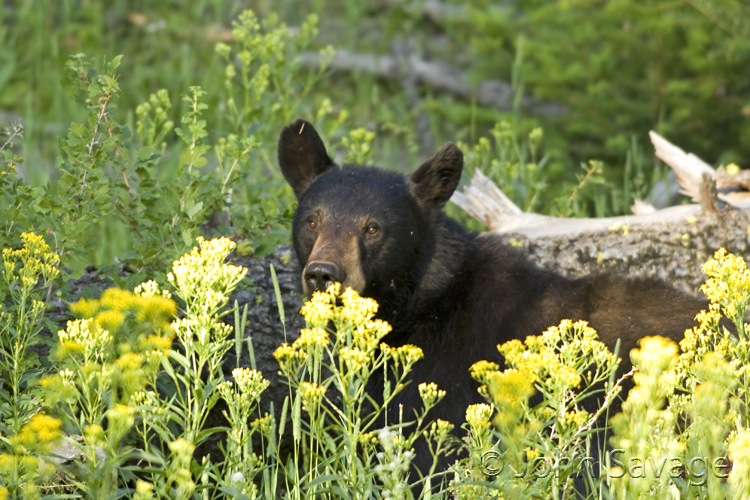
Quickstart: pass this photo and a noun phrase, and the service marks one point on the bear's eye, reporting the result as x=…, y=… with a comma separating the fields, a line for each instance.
x=312, y=223
x=372, y=230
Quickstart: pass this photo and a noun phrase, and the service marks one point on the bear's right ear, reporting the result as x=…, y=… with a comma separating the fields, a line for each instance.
x=433, y=183
x=302, y=156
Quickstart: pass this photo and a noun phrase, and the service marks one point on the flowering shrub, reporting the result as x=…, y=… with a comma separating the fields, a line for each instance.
x=565, y=358
x=27, y=434
x=329, y=370
x=133, y=385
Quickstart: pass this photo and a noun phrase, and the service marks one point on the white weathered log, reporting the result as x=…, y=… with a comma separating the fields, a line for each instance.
x=640, y=207
x=484, y=201
x=688, y=167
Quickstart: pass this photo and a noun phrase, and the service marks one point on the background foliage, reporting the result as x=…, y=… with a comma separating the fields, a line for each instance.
x=616, y=68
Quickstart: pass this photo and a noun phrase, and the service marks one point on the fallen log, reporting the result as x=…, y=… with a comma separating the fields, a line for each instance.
x=671, y=243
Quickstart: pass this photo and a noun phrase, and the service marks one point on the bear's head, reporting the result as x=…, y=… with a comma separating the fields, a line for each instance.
x=369, y=229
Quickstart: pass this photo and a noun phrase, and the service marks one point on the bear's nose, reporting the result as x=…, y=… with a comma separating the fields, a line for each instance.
x=320, y=275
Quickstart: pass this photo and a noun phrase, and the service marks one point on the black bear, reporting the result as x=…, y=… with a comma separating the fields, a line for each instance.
x=454, y=293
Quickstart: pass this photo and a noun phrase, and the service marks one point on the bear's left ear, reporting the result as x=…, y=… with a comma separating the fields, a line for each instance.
x=302, y=156
x=433, y=183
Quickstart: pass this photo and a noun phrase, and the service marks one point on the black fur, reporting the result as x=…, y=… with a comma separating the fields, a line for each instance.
x=455, y=293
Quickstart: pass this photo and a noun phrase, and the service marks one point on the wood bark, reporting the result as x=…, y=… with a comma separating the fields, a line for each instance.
x=672, y=243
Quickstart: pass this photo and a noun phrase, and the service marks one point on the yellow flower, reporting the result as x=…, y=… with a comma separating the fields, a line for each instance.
x=430, y=394
x=143, y=490
x=733, y=169
x=481, y=369
x=318, y=311
x=151, y=289
x=354, y=358
x=7, y=464
x=40, y=432
x=368, y=335
x=728, y=283
x=203, y=269
x=114, y=298
x=357, y=309
x=94, y=341
x=311, y=394
x=311, y=337
x=510, y=388
x=576, y=418
x=85, y=308
x=250, y=382
x=438, y=430
x=739, y=454
x=156, y=342
x=406, y=354
x=288, y=357
x=110, y=320
x=264, y=424
x=129, y=361
x=478, y=416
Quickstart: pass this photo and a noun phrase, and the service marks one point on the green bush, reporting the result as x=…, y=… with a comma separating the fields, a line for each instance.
x=146, y=190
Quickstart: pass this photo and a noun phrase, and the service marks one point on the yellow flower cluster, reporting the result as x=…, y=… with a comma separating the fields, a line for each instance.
x=202, y=277
x=357, y=309
x=728, y=282
x=406, y=354
x=319, y=310
x=311, y=394
x=354, y=358
x=264, y=424
x=357, y=333
x=111, y=310
x=87, y=337
x=509, y=388
x=289, y=358
x=554, y=359
x=478, y=416
x=250, y=382
x=557, y=362
x=368, y=335
x=36, y=437
x=36, y=259
x=654, y=356
x=576, y=418
x=151, y=289
x=122, y=337
x=728, y=289
x=39, y=433
x=481, y=369
x=311, y=337
x=179, y=467
x=143, y=490
x=430, y=394
x=438, y=430
x=739, y=454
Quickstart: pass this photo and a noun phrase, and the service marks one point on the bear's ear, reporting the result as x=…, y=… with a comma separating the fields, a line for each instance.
x=433, y=183
x=302, y=156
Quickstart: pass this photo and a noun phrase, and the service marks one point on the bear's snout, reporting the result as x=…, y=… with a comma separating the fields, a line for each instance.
x=320, y=275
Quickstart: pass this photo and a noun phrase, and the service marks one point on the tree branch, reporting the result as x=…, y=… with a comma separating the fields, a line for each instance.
x=434, y=74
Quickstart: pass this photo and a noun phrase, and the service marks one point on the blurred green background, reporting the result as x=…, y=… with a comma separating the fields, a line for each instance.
x=532, y=89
